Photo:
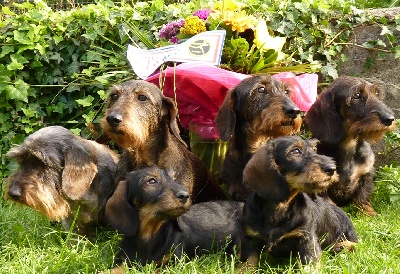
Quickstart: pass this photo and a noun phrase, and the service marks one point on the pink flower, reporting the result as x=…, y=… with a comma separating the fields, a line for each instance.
x=202, y=14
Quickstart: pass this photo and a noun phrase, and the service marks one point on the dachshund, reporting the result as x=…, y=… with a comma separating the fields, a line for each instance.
x=256, y=110
x=284, y=213
x=153, y=213
x=141, y=120
x=61, y=175
x=345, y=118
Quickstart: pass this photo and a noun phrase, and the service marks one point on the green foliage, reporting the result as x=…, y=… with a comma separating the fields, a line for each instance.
x=387, y=180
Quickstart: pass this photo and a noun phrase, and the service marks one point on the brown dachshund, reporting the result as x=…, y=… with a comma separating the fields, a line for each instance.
x=255, y=111
x=345, y=118
x=144, y=123
x=61, y=175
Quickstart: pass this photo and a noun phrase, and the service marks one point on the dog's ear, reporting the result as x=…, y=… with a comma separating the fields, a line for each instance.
x=169, y=110
x=80, y=168
x=226, y=117
x=120, y=213
x=324, y=121
x=262, y=175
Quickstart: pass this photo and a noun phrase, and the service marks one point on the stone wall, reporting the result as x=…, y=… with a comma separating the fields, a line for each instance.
x=376, y=67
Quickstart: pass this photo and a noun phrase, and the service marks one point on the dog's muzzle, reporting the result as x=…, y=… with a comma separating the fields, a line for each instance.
x=14, y=192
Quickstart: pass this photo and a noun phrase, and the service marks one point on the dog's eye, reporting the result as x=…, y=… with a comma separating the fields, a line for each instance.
x=152, y=181
x=357, y=95
x=142, y=97
x=261, y=90
x=296, y=151
x=287, y=92
x=114, y=97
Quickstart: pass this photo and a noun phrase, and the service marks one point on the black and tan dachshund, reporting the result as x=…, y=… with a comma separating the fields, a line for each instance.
x=258, y=109
x=284, y=214
x=345, y=118
x=142, y=121
x=152, y=212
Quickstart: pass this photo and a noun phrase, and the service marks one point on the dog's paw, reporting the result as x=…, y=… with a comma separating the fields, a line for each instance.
x=340, y=246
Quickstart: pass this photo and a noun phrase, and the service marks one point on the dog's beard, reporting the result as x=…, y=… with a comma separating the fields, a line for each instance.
x=311, y=181
x=48, y=202
x=128, y=137
x=277, y=124
x=368, y=129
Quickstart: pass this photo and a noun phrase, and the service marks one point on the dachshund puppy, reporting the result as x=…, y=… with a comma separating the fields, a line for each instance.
x=60, y=174
x=255, y=111
x=144, y=123
x=284, y=214
x=152, y=211
x=345, y=118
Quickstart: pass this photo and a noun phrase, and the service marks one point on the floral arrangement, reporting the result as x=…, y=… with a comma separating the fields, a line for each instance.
x=199, y=90
x=249, y=46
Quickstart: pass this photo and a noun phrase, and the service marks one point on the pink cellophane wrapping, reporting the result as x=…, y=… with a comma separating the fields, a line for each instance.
x=200, y=90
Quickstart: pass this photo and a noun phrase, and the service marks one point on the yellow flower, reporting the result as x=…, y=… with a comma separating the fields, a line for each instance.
x=264, y=41
x=193, y=25
x=240, y=21
x=228, y=5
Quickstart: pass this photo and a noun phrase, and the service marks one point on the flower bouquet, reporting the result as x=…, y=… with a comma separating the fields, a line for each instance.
x=199, y=88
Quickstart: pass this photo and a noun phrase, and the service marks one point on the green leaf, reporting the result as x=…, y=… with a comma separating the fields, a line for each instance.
x=85, y=102
x=396, y=51
x=258, y=66
x=329, y=70
x=17, y=61
x=7, y=11
x=18, y=91
x=21, y=37
x=6, y=50
x=29, y=112
x=270, y=56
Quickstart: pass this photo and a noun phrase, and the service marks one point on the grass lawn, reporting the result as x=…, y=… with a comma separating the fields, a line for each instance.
x=31, y=244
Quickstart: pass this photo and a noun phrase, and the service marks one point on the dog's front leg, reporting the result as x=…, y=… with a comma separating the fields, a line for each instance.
x=250, y=252
x=363, y=194
x=310, y=253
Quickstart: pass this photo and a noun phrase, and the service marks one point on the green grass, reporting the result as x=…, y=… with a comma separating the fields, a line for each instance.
x=31, y=244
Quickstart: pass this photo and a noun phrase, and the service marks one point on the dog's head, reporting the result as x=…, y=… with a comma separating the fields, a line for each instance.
x=54, y=166
x=136, y=109
x=145, y=201
x=262, y=104
x=288, y=165
x=351, y=108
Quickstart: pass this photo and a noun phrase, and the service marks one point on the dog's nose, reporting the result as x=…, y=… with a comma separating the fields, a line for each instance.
x=114, y=119
x=14, y=192
x=292, y=111
x=387, y=119
x=330, y=169
x=183, y=196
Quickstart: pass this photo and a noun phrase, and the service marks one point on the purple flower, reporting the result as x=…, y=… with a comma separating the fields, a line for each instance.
x=202, y=14
x=174, y=40
x=170, y=30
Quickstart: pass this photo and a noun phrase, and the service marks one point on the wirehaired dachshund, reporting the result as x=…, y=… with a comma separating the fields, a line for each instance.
x=256, y=110
x=152, y=211
x=345, y=118
x=61, y=175
x=141, y=120
x=284, y=214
